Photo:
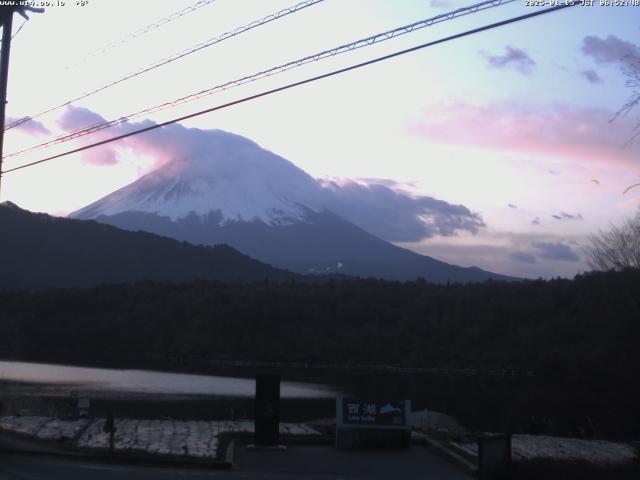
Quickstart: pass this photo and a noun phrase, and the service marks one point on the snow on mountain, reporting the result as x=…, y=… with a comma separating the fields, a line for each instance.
x=232, y=176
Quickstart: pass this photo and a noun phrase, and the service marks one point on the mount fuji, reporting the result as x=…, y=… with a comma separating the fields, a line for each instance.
x=234, y=192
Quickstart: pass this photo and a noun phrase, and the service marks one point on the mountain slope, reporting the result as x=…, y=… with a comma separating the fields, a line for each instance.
x=323, y=243
x=232, y=191
x=37, y=251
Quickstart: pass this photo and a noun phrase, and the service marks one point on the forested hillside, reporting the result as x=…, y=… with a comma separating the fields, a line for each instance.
x=39, y=251
x=556, y=325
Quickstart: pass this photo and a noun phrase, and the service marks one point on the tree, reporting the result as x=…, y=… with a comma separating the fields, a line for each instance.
x=631, y=69
x=616, y=249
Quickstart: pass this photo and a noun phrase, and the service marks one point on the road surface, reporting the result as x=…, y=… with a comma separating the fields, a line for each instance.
x=298, y=462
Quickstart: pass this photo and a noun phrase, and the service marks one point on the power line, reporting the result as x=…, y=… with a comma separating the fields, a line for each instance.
x=212, y=41
x=301, y=82
x=139, y=32
x=19, y=29
x=364, y=42
x=148, y=28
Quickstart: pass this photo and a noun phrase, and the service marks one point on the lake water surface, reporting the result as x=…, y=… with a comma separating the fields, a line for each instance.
x=148, y=382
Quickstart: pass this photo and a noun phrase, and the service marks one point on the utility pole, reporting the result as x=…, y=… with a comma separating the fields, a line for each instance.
x=7, y=24
x=6, y=17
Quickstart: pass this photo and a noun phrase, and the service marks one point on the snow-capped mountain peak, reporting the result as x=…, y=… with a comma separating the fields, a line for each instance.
x=231, y=176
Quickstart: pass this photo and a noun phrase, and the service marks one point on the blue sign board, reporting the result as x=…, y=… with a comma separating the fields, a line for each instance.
x=359, y=413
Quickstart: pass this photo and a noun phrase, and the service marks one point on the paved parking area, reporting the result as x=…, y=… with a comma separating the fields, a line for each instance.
x=327, y=462
x=297, y=462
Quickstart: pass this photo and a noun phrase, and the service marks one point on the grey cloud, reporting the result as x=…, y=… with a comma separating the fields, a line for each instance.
x=387, y=211
x=568, y=216
x=511, y=205
x=609, y=50
x=504, y=252
x=556, y=251
x=591, y=76
x=522, y=257
x=32, y=127
x=514, y=57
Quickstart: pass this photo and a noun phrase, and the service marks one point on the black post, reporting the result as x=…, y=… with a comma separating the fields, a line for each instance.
x=494, y=457
x=7, y=25
x=267, y=410
x=110, y=428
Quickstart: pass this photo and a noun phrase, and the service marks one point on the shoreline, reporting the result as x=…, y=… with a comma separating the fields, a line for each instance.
x=233, y=367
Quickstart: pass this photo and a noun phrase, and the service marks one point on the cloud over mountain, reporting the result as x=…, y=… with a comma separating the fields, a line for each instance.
x=382, y=207
x=522, y=257
x=556, y=251
x=386, y=210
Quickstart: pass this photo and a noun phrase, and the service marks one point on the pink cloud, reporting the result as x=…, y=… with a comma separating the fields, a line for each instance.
x=75, y=118
x=162, y=144
x=555, y=131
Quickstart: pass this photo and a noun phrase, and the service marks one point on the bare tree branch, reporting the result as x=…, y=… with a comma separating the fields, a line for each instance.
x=616, y=249
x=631, y=69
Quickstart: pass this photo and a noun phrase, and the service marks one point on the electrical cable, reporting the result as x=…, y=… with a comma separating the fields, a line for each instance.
x=148, y=28
x=212, y=41
x=364, y=42
x=301, y=82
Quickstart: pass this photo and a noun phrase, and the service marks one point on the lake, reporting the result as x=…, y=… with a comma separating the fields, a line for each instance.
x=33, y=388
x=97, y=380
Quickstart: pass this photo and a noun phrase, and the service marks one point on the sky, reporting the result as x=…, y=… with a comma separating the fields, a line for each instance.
x=507, y=141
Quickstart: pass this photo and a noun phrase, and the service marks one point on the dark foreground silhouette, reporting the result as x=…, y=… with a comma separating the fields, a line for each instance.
x=566, y=349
